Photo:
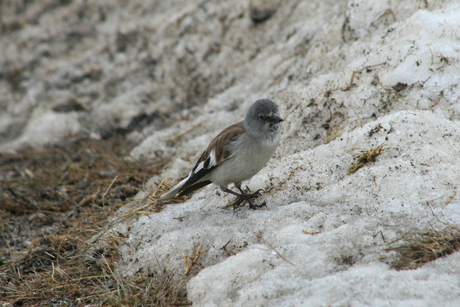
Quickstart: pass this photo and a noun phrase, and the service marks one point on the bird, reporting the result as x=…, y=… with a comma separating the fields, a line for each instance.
x=236, y=154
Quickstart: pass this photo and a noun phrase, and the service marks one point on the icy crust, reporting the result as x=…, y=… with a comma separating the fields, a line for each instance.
x=266, y=284
x=273, y=261
x=410, y=64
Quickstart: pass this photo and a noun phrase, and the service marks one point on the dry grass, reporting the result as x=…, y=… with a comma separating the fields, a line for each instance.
x=425, y=247
x=193, y=258
x=52, y=202
x=150, y=204
x=365, y=157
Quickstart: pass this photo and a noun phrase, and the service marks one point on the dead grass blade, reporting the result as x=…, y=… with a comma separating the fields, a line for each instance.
x=365, y=157
x=192, y=259
x=181, y=134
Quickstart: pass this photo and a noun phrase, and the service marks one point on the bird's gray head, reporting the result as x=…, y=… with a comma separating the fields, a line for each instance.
x=263, y=119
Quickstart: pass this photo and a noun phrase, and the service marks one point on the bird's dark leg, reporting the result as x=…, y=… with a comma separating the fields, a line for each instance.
x=245, y=197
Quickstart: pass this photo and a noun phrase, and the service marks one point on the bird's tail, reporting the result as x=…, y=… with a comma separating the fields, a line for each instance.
x=173, y=191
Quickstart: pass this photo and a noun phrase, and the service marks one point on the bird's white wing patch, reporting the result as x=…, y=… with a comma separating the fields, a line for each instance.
x=205, y=164
x=198, y=168
x=212, y=159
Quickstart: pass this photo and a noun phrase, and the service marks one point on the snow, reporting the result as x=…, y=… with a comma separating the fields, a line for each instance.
x=355, y=216
x=323, y=238
x=47, y=127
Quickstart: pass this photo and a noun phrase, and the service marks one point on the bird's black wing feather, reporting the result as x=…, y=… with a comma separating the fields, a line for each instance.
x=194, y=187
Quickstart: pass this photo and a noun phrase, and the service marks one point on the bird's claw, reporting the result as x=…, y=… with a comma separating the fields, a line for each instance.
x=237, y=203
x=259, y=192
x=254, y=207
x=248, y=197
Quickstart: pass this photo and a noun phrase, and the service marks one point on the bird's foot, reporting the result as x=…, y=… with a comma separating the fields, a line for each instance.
x=245, y=197
x=253, y=195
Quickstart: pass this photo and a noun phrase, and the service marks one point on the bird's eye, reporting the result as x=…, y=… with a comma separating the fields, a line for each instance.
x=263, y=117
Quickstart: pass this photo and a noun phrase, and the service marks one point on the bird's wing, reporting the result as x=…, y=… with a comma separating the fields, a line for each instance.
x=217, y=152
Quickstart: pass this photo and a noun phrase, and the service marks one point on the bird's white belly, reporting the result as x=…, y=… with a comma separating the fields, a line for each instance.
x=241, y=167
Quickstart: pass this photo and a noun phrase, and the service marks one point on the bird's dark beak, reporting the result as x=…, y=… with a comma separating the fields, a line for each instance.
x=275, y=118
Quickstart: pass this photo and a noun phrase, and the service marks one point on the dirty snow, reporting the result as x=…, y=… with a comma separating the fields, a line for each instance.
x=347, y=75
